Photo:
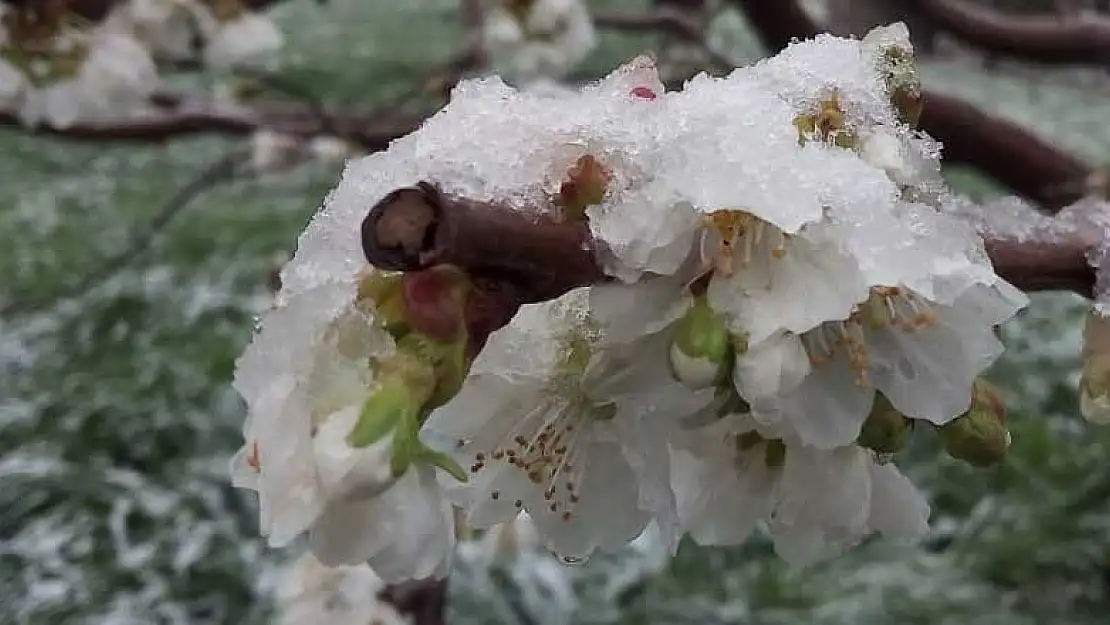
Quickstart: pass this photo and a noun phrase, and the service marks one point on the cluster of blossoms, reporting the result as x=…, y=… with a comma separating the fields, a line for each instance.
x=787, y=303
x=537, y=40
x=58, y=69
x=227, y=32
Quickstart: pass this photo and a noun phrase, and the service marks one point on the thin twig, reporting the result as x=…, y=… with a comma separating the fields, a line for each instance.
x=223, y=170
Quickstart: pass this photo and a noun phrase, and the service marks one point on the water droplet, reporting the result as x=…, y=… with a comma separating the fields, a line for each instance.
x=574, y=561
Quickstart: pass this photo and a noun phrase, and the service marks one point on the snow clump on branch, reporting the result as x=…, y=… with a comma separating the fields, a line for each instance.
x=786, y=304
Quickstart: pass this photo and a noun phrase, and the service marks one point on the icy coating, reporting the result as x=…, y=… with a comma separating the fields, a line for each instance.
x=789, y=274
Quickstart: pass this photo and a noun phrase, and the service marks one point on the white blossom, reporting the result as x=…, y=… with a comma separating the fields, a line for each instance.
x=166, y=27
x=273, y=151
x=113, y=77
x=305, y=379
x=815, y=243
x=571, y=433
x=546, y=41
x=249, y=41
x=729, y=481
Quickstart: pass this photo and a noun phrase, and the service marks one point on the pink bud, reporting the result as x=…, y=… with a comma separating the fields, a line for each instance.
x=644, y=93
x=434, y=302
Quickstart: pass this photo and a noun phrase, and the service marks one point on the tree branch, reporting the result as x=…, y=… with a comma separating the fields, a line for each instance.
x=1044, y=266
x=418, y=227
x=371, y=131
x=663, y=20
x=1004, y=151
x=1046, y=39
x=96, y=10
x=517, y=256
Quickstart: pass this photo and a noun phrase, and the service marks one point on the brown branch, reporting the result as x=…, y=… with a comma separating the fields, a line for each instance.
x=371, y=131
x=1046, y=39
x=418, y=227
x=779, y=22
x=96, y=10
x=665, y=20
x=1044, y=266
x=1004, y=151
x=517, y=257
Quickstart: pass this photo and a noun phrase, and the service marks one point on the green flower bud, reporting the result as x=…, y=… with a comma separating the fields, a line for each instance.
x=382, y=292
x=1094, y=386
x=434, y=302
x=775, y=454
x=403, y=386
x=701, y=347
x=979, y=436
x=886, y=430
x=447, y=361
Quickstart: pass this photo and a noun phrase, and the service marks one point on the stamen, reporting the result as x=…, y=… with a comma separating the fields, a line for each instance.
x=252, y=458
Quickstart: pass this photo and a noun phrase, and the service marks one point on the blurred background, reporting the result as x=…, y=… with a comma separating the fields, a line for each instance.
x=134, y=263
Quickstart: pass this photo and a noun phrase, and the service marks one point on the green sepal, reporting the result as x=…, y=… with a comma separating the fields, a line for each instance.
x=886, y=430
x=405, y=383
x=383, y=291
x=978, y=436
x=431, y=457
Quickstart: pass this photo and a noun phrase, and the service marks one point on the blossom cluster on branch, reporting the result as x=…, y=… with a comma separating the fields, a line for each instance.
x=619, y=309
x=58, y=68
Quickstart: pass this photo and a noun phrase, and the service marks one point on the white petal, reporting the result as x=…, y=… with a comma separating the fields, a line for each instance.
x=343, y=468
x=630, y=311
x=812, y=284
x=607, y=515
x=252, y=40
x=897, y=508
x=928, y=374
x=826, y=410
x=771, y=368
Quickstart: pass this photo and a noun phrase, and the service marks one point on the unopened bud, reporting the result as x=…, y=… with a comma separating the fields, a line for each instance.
x=908, y=103
x=701, y=347
x=979, y=436
x=382, y=292
x=886, y=430
x=1094, y=386
x=435, y=302
x=896, y=63
x=584, y=186
x=404, y=384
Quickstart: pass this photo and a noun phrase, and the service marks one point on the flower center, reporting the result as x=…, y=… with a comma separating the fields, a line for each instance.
x=547, y=443
x=892, y=306
x=750, y=447
x=544, y=446
x=886, y=308
x=732, y=235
